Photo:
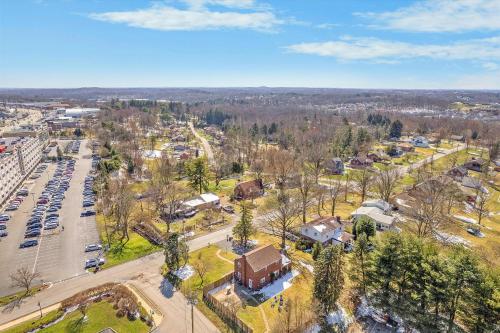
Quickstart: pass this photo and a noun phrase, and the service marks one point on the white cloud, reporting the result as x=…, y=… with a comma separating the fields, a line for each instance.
x=327, y=26
x=441, y=16
x=350, y=48
x=490, y=66
x=197, y=16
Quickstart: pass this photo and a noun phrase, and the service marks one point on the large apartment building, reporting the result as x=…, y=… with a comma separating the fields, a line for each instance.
x=18, y=157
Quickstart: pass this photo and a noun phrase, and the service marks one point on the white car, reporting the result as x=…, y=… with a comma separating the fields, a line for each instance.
x=93, y=247
x=4, y=217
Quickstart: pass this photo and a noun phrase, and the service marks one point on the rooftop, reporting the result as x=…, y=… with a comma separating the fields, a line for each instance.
x=262, y=257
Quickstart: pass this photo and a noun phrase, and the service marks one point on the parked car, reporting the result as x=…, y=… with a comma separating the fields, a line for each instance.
x=3, y=227
x=228, y=209
x=28, y=243
x=3, y=233
x=32, y=233
x=94, y=263
x=93, y=247
x=87, y=213
x=4, y=217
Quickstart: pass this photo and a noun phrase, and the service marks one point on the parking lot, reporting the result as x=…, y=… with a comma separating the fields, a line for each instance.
x=60, y=252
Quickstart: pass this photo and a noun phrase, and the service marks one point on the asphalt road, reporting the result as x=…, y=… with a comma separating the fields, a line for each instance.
x=206, y=146
x=144, y=273
x=60, y=254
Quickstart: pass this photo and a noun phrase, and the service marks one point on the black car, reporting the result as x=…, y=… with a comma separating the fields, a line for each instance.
x=33, y=233
x=28, y=243
x=3, y=227
x=87, y=213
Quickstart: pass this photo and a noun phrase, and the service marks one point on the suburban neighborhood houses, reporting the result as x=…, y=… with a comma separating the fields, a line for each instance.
x=252, y=235
x=250, y=166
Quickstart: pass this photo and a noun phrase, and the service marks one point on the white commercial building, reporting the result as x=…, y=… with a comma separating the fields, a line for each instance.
x=18, y=157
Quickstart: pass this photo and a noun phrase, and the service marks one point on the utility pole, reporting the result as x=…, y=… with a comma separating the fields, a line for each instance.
x=40, y=308
x=192, y=300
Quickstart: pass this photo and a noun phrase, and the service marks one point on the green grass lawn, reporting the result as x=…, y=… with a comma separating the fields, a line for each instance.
x=225, y=188
x=35, y=323
x=135, y=248
x=99, y=316
x=9, y=298
x=216, y=269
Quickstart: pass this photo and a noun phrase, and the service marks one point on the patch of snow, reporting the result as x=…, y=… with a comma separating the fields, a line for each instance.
x=152, y=153
x=447, y=238
x=465, y=219
x=219, y=288
x=309, y=267
x=339, y=317
x=285, y=260
x=279, y=285
x=184, y=273
x=401, y=202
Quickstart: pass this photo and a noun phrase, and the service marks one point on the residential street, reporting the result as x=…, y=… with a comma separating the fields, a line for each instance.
x=143, y=273
x=204, y=142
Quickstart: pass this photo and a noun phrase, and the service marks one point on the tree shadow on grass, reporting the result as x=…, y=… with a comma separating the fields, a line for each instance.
x=16, y=302
x=75, y=326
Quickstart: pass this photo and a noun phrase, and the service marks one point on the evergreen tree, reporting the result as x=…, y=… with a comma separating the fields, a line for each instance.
x=172, y=252
x=244, y=228
x=360, y=262
x=364, y=225
x=396, y=129
x=463, y=275
x=316, y=250
x=329, y=278
x=481, y=311
x=197, y=172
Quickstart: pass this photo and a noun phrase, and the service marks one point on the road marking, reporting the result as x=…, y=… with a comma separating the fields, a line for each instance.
x=37, y=253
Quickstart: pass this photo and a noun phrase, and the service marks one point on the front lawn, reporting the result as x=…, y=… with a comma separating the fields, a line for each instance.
x=99, y=316
x=135, y=248
x=216, y=269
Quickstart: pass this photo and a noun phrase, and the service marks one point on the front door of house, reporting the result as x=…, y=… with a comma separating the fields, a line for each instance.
x=250, y=283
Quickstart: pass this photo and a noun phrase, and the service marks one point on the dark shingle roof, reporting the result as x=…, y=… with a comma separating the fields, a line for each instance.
x=262, y=257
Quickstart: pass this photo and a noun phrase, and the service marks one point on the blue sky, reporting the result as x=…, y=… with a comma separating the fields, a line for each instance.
x=444, y=44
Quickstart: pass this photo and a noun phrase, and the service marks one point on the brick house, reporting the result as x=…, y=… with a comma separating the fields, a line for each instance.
x=261, y=266
x=249, y=190
x=360, y=162
x=475, y=164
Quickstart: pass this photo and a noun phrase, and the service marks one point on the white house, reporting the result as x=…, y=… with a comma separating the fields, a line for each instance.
x=326, y=230
x=382, y=221
x=379, y=203
x=420, y=141
x=203, y=201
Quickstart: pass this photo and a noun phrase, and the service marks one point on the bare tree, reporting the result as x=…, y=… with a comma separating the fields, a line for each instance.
x=385, y=182
x=23, y=278
x=480, y=205
x=122, y=209
x=428, y=211
x=282, y=218
x=363, y=181
x=348, y=177
x=201, y=269
x=334, y=189
x=306, y=187
x=281, y=165
x=173, y=196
